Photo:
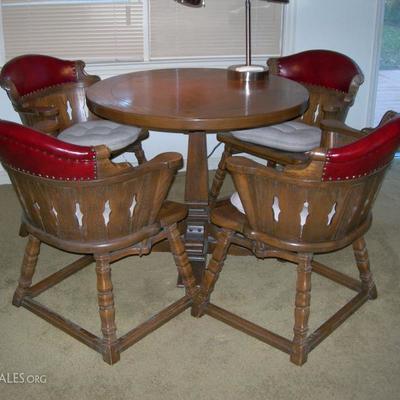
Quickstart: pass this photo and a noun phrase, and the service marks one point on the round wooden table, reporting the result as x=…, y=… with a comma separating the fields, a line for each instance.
x=196, y=101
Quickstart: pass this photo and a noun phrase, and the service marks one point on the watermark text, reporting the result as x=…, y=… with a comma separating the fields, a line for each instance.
x=22, y=378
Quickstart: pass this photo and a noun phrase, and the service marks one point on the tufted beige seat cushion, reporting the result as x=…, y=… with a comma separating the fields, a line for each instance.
x=92, y=133
x=289, y=136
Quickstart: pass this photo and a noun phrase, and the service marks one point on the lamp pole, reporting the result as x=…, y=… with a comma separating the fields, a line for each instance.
x=248, y=32
x=248, y=27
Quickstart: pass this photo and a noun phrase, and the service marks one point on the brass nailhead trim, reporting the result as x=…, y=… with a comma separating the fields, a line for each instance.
x=67, y=159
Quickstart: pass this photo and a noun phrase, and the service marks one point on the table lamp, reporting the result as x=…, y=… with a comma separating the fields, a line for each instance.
x=249, y=72
x=246, y=72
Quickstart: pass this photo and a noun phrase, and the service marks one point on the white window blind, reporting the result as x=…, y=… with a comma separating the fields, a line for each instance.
x=218, y=29
x=92, y=30
x=121, y=30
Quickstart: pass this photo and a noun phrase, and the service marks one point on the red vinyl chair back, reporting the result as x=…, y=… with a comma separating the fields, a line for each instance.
x=320, y=67
x=33, y=72
x=34, y=153
x=331, y=78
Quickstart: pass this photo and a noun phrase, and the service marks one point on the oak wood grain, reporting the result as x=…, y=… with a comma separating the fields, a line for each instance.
x=195, y=99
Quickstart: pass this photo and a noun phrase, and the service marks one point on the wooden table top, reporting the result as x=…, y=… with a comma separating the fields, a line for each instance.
x=195, y=99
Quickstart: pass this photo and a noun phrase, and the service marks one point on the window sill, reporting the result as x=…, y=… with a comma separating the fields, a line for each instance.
x=106, y=70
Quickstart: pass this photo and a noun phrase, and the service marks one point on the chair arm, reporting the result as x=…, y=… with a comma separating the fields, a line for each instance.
x=49, y=127
x=41, y=118
x=340, y=127
x=332, y=110
x=44, y=112
x=386, y=118
x=107, y=168
x=170, y=160
x=336, y=133
x=267, y=153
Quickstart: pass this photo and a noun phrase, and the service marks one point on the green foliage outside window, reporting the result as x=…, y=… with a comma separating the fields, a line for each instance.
x=392, y=12
x=390, y=53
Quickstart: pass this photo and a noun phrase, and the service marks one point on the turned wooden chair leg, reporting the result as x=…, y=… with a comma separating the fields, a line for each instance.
x=181, y=259
x=362, y=260
x=28, y=267
x=211, y=273
x=219, y=177
x=139, y=153
x=302, y=310
x=111, y=353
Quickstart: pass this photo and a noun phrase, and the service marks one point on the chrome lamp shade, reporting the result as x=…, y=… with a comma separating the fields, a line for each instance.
x=191, y=3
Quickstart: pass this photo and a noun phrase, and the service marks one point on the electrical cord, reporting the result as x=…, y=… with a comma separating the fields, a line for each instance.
x=213, y=150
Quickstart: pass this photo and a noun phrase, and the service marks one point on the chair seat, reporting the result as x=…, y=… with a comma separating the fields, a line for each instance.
x=289, y=136
x=93, y=133
x=225, y=215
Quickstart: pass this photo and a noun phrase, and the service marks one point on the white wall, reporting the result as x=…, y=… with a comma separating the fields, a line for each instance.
x=348, y=26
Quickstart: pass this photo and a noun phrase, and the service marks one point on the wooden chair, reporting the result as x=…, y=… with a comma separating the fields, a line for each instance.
x=76, y=200
x=320, y=206
x=332, y=80
x=49, y=95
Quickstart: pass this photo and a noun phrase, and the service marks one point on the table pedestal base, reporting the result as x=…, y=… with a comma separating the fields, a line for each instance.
x=196, y=197
x=196, y=243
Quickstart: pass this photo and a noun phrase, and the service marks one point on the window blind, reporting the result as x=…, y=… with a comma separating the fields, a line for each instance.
x=92, y=30
x=121, y=30
x=218, y=29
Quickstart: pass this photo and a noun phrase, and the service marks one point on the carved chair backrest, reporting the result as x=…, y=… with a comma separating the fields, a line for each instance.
x=331, y=78
x=75, y=194
x=323, y=203
x=33, y=81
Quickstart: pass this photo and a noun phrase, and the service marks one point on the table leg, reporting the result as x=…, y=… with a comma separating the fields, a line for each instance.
x=196, y=198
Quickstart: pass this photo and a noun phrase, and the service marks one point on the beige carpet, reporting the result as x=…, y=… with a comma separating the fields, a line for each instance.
x=205, y=359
